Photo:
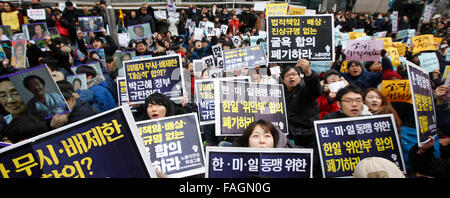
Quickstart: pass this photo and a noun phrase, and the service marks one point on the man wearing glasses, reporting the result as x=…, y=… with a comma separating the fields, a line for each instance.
x=301, y=90
x=349, y=101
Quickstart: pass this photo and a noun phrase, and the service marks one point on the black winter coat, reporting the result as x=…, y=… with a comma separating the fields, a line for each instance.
x=80, y=111
x=302, y=105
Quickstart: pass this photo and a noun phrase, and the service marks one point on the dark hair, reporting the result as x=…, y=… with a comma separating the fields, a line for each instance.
x=138, y=27
x=77, y=80
x=161, y=99
x=24, y=127
x=368, y=64
x=356, y=62
x=96, y=39
x=386, y=105
x=266, y=125
x=349, y=88
x=66, y=88
x=89, y=71
x=289, y=67
x=31, y=77
x=328, y=73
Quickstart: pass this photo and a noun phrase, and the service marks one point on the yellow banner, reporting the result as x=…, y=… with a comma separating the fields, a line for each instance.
x=355, y=35
x=396, y=90
x=296, y=10
x=276, y=9
x=401, y=48
x=344, y=66
x=437, y=40
x=422, y=43
x=387, y=42
x=395, y=57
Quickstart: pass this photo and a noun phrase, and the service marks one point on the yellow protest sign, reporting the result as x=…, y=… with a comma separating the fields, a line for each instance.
x=395, y=57
x=276, y=9
x=296, y=10
x=437, y=40
x=401, y=48
x=446, y=71
x=355, y=35
x=344, y=66
x=396, y=90
x=422, y=43
x=387, y=42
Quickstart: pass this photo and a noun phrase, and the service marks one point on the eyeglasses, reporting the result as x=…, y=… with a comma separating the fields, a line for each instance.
x=290, y=74
x=357, y=101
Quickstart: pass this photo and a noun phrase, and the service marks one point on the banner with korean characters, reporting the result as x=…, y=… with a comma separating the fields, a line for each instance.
x=237, y=104
x=423, y=102
x=346, y=141
x=174, y=144
x=204, y=97
x=248, y=57
x=160, y=74
x=294, y=37
x=363, y=50
x=106, y=145
x=244, y=162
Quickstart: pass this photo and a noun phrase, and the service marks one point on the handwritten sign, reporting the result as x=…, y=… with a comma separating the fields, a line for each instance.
x=248, y=57
x=422, y=43
x=396, y=90
x=276, y=9
x=363, y=50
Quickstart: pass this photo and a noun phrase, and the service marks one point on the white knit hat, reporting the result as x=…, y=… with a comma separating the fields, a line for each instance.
x=377, y=167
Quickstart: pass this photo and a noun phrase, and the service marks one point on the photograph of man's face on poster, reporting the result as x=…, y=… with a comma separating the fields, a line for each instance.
x=39, y=91
x=91, y=24
x=140, y=31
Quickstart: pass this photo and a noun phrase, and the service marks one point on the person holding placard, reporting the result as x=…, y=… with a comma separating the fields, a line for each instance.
x=358, y=76
x=425, y=163
x=12, y=17
x=301, y=100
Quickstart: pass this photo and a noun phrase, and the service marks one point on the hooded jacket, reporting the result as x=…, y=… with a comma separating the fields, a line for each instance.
x=103, y=100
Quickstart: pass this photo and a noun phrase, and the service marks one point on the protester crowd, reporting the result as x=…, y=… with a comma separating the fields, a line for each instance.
x=307, y=94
